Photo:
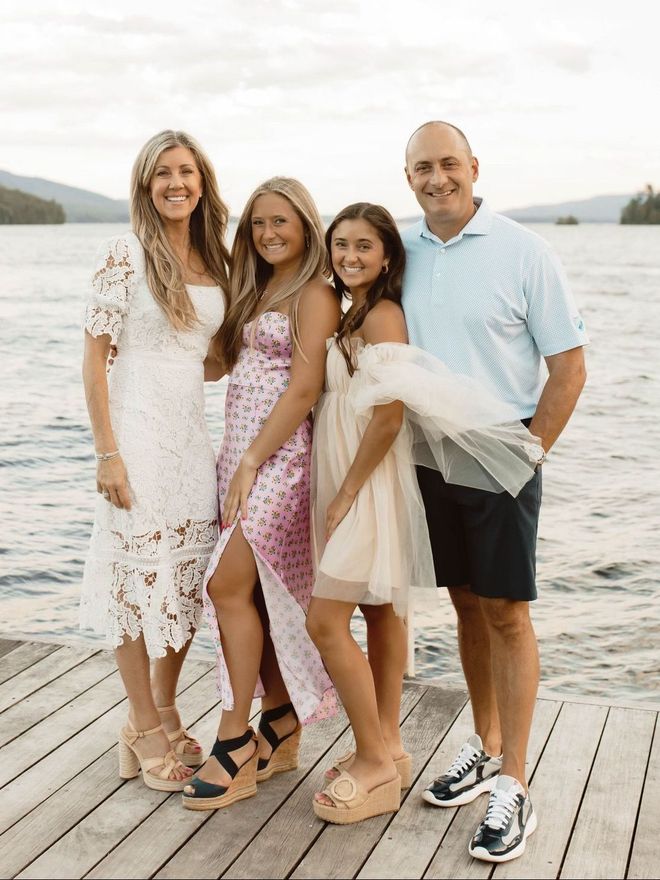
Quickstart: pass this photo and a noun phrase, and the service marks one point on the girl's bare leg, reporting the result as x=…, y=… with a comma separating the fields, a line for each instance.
x=328, y=623
x=231, y=589
x=387, y=646
x=276, y=693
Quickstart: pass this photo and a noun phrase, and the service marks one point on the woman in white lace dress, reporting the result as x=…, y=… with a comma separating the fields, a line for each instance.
x=157, y=294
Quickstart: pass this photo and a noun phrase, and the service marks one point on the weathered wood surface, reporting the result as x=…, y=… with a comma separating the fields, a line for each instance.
x=594, y=775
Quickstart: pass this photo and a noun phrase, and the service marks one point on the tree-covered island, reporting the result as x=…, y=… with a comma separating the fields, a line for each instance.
x=644, y=209
x=20, y=207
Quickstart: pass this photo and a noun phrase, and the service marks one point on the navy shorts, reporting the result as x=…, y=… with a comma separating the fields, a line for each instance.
x=483, y=539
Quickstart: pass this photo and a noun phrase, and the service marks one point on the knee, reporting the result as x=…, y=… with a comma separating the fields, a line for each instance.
x=319, y=629
x=466, y=604
x=226, y=597
x=506, y=618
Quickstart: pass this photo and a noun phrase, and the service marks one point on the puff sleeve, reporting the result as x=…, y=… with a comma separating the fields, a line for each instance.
x=113, y=283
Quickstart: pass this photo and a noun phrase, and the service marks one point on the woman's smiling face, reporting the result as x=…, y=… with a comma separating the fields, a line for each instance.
x=358, y=255
x=176, y=185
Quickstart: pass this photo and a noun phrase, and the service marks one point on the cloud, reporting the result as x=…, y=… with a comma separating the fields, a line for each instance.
x=568, y=56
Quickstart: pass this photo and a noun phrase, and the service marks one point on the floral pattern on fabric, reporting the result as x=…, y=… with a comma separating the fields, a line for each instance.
x=278, y=524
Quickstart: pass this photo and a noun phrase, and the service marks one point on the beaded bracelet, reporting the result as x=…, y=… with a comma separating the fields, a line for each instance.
x=106, y=456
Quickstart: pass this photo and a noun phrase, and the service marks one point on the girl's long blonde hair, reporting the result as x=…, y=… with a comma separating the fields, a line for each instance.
x=250, y=273
x=208, y=225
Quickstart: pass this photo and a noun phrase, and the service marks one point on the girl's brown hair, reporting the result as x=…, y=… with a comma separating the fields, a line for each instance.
x=388, y=285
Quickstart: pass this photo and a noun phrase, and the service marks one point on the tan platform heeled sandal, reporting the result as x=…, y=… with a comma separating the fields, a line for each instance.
x=353, y=803
x=131, y=762
x=403, y=765
x=179, y=739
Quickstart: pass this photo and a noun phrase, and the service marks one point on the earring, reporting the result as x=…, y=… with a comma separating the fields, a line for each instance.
x=385, y=269
x=306, y=241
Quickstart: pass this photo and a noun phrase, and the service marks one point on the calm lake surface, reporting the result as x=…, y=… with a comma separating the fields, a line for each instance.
x=598, y=612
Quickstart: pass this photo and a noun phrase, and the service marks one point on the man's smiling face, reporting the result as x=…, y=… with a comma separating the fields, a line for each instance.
x=441, y=171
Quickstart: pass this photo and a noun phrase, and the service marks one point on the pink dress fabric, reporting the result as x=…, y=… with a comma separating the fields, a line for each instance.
x=278, y=521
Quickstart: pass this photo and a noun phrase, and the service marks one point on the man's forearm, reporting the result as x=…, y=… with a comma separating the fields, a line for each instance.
x=560, y=394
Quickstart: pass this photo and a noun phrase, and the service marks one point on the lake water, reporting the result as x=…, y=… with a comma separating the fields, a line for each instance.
x=598, y=612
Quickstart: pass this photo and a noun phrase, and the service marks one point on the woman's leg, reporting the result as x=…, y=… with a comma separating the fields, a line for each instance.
x=387, y=647
x=133, y=663
x=165, y=673
x=329, y=625
x=231, y=589
x=275, y=692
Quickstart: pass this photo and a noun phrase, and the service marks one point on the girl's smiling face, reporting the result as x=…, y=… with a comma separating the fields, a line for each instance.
x=358, y=255
x=176, y=184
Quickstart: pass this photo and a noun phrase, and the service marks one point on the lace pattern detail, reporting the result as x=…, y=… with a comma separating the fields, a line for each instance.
x=145, y=568
x=112, y=285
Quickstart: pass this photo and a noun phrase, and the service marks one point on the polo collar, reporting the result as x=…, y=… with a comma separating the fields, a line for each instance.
x=479, y=224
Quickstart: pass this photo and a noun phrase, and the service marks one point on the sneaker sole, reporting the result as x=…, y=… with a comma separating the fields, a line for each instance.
x=484, y=856
x=462, y=797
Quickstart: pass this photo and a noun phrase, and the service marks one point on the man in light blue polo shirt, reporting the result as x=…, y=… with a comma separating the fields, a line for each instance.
x=489, y=298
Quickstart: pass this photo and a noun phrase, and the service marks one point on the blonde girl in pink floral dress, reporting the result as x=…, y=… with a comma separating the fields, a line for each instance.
x=259, y=580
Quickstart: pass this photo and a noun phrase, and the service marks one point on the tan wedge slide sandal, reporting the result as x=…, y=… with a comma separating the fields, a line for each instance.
x=353, y=803
x=403, y=765
x=131, y=763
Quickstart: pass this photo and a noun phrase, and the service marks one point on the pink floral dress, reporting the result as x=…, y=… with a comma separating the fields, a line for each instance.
x=278, y=524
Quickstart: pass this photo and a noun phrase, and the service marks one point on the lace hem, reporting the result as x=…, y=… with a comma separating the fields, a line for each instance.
x=162, y=602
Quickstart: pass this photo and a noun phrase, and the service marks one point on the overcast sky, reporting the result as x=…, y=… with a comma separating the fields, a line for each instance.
x=559, y=99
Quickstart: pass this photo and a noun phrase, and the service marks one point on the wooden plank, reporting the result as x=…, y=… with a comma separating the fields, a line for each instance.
x=88, y=842
x=23, y=657
x=19, y=718
x=36, y=676
x=557, y=789
x=340, y=851
x=412, y=837
x=68, y=760
x=452, y=858
x=604, y=828
x=145, y=851
x=7, y=645
x=645, y=857
x=288, y=835
x=79, y=785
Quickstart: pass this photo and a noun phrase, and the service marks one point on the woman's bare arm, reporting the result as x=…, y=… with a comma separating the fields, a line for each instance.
x=385, y=323
x=110, y=475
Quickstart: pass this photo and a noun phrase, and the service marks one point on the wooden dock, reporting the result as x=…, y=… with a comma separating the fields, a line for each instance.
x=64, y=812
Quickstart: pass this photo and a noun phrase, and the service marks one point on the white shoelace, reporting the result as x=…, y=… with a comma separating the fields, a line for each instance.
x=501, y=807
x=467, y=756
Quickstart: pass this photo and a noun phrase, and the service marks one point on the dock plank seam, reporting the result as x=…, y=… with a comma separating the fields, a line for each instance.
x=656, y=732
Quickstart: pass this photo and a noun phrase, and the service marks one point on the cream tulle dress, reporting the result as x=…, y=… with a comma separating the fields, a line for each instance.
x=451, y=423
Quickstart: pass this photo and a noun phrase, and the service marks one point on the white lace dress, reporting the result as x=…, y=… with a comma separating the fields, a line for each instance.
x=145, y=566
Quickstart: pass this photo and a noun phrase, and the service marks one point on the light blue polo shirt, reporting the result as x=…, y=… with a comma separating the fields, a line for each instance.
x=491, y=303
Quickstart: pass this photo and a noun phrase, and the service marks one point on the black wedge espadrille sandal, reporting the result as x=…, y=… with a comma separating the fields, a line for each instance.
x=201, y=795
x=284, y=754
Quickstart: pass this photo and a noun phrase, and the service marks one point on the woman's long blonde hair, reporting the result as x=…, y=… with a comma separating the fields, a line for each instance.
x=208, y=225
x=250, y=273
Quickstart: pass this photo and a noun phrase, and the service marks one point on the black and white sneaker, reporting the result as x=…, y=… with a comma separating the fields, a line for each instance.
x=509, y=820
x=472, y=773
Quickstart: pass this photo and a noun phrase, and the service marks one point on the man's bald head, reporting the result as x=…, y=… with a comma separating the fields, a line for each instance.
x=460, y=137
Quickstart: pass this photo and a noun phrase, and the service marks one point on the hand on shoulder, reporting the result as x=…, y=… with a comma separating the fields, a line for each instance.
x=385, y=323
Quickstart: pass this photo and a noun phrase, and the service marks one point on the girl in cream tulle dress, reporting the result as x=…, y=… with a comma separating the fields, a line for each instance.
x=386, y=407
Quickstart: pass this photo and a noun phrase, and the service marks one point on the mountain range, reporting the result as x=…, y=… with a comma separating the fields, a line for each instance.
x=80, y=205
x=83, y=206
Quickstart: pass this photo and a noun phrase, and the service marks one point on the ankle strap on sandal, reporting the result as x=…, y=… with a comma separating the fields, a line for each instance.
x=265, y=728
x=132, y=734
x=222, y=747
